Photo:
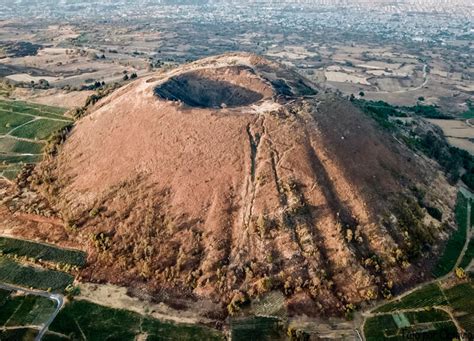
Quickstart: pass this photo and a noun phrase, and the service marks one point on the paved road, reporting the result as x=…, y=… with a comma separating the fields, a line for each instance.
x=58, y=298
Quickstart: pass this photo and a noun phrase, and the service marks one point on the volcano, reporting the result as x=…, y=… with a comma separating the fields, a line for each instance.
x=232, y=177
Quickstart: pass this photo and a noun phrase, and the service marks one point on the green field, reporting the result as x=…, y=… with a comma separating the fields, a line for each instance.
x=9, y=121
x=469, y=113
x=20, y=313
x=461, y=299
x=13, y=145
x=468, y=256
x=14, y=273
x=384, y=328
x=82, y=319
x=427, y=316
x=456, y=242
x=25, y=310
x=19, y=158
x=24, y=129
x=10, y=172
x=257, y=328
x=32, y=109
x=428, y=296
x=401, y=320
x=42, y=251
x=38, y=130
x=21, y=334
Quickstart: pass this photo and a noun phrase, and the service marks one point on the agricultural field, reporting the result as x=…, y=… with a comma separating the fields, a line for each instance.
x=24, y=334
x=92, y=321
x=24, y=131
x=459, y=133
x=39, y=251
x=257, y=328
x=435, y=325
x=96, y=322
x=24, y=310
x=461, y=300
x=428, y=296
x=468, y=256
x=22, y=315
x=457, y=240
x=423, y=312
x=14, y=273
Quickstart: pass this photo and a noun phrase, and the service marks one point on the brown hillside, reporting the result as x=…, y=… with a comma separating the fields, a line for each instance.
x=233, y=176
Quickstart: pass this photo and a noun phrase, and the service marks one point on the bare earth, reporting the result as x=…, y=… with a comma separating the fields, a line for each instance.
x=458, y=132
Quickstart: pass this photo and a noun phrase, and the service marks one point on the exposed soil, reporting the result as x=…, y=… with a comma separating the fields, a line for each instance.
x=287, y=190
x=53, y=97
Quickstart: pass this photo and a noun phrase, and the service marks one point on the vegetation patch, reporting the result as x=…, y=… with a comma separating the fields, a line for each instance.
x=29, y=310
x=256, y=328
x=43, y=252
x=19, y=158
x=380, y=112
x=12, y=145
x=10, y=172
x=31, y=277
x=81, y=320
x=384, y=328
x=461, y=300
x=33, y=109
x=427, y=316
x=469, y=255
x=432, y=323
x=428, y=296
x=375, y=327
x=9, y=121
x=25, y=334
x=432, y=144
x=469, y=113
x=23, y=129
x=39, y=129
x=401, y=320
x=456, y=242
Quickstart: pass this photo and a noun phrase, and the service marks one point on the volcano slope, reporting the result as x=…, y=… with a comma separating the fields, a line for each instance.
x=233, y=176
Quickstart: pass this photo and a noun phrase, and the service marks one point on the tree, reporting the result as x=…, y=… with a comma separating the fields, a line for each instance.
x=133, y=75
x=125, y=78
x=460, y=273
x=361, y=94
x=421, y=98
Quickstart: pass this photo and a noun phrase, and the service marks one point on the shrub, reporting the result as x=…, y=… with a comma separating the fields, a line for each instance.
x=236, y=303
x=460, y=273
x=297, y=334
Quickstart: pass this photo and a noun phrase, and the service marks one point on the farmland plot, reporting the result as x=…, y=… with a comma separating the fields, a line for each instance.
x=24, y=130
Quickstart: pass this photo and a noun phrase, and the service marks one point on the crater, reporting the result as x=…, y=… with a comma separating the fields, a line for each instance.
x=210, y=89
